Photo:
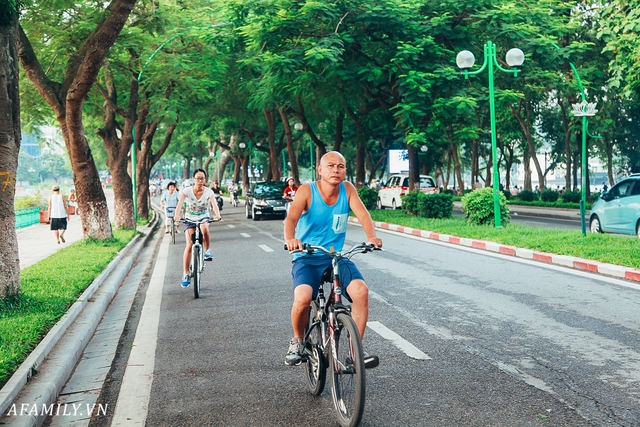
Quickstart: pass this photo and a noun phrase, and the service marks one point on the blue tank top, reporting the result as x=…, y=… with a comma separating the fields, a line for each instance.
x=323, y=224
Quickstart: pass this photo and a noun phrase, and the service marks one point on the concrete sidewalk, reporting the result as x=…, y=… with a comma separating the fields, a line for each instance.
x=37, y=242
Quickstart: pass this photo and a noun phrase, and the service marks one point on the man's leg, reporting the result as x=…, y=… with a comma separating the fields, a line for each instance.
x=302, y=295
x=359, y=294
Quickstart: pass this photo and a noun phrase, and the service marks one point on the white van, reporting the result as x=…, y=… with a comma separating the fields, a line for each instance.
x=397, y=186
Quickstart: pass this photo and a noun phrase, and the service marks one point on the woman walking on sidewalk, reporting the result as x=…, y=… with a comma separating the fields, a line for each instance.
x=58, y=214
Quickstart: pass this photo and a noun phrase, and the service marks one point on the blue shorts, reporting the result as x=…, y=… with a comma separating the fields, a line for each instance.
x=308, y=270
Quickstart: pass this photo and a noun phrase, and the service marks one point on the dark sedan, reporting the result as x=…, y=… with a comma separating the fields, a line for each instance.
x=265, y=199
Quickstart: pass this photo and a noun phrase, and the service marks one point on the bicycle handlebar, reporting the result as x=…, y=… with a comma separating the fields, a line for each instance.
x=363, y=247
x=202, y=221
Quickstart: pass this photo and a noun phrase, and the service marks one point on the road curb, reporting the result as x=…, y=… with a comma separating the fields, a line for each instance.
x=81, y=320
x=598, y=267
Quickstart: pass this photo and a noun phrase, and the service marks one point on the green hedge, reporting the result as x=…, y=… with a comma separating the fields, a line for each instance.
x=428, y=205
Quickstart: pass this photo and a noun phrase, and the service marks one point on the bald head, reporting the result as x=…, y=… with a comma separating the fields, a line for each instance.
x=332, y=156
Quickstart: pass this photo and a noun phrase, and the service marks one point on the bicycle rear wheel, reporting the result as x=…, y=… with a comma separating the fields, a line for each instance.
x=195, y=256
x=347, y=372
x=316, y=366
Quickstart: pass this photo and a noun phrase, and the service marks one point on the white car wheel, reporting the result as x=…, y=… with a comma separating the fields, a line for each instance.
x=594, y=226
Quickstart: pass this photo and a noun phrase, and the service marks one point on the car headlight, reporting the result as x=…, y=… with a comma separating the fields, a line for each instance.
x=261, y=202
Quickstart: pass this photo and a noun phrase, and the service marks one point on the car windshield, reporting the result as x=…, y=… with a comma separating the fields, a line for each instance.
x=426, y=182
x=267, y=189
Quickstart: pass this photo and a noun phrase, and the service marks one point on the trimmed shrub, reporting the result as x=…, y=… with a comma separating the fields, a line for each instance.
x=478, y=207
x=549, y=196
x=369, y=197
x=527, y=196
x=411, y=202
x=571, y=196
x=507, y=194
x=428, y=205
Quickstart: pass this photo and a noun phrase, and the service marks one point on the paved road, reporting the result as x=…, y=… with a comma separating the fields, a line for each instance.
x=510, y=342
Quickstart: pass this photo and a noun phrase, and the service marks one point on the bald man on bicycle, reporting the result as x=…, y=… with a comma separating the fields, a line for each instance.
x=319, y=215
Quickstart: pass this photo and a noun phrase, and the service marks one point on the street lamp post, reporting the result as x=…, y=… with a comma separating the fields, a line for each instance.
x=133, y=128
x=514, y=58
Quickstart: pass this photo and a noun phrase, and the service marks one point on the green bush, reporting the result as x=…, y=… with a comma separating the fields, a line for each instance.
x=571, y=196
x=507, y=194
x=369, y=197
x=478, y=207
x=428, y=205
x=527, y=196
x=549, y=195
x=593, y=197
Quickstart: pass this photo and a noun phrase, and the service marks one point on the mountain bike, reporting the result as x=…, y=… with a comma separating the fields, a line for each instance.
x=332, y=340
x=197, y=255
x=171, y=212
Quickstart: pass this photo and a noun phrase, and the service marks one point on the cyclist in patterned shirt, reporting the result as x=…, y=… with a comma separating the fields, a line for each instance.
x=199, y=198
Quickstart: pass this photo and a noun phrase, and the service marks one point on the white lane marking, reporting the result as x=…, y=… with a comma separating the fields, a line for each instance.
x=135, y=391
x=245, y=235
x=404, y=345
x=265, y=248
x=231, y=226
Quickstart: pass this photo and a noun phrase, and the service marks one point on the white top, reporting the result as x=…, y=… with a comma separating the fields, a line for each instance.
x=197, y=209
x=57, y=207
x=170, y=200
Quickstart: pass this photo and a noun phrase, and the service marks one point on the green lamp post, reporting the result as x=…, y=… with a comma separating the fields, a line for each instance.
x=514, y=58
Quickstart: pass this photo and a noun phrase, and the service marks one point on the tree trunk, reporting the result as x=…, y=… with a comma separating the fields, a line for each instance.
x=9, y=149
x=293, y=159
x=118, y=151
x=274, y=170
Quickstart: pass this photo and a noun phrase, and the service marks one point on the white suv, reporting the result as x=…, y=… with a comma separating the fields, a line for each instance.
x=397, y=186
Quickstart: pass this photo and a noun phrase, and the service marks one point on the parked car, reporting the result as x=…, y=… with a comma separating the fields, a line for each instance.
x=265, y=199
x=618, y=210
x=397, y=186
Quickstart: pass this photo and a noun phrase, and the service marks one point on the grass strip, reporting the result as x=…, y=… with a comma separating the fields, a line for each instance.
x=47, y=290
x=612, y=249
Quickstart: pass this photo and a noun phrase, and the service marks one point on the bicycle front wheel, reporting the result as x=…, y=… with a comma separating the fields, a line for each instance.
x=347, y=372
x=316, y=366
x=195, y=256
x=173, y=232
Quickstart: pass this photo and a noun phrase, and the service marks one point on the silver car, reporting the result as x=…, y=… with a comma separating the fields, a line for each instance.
x=618, y=210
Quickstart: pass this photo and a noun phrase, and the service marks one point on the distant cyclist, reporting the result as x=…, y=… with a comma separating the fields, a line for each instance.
x=198, y=198
x=319, y=215
x=233, y=192
x=169, y=201
x=290, y=190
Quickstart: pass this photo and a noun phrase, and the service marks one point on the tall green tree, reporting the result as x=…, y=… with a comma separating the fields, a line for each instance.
x=89, y=32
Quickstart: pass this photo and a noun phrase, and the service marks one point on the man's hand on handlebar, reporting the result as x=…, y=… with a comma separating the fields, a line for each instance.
x=376, y=241
x=293, y=244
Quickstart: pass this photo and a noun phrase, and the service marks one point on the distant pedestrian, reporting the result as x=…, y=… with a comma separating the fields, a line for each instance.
x=58, y=214
x=477, y=185
x=604, y=187
x=515, y=191
x=73, y=201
